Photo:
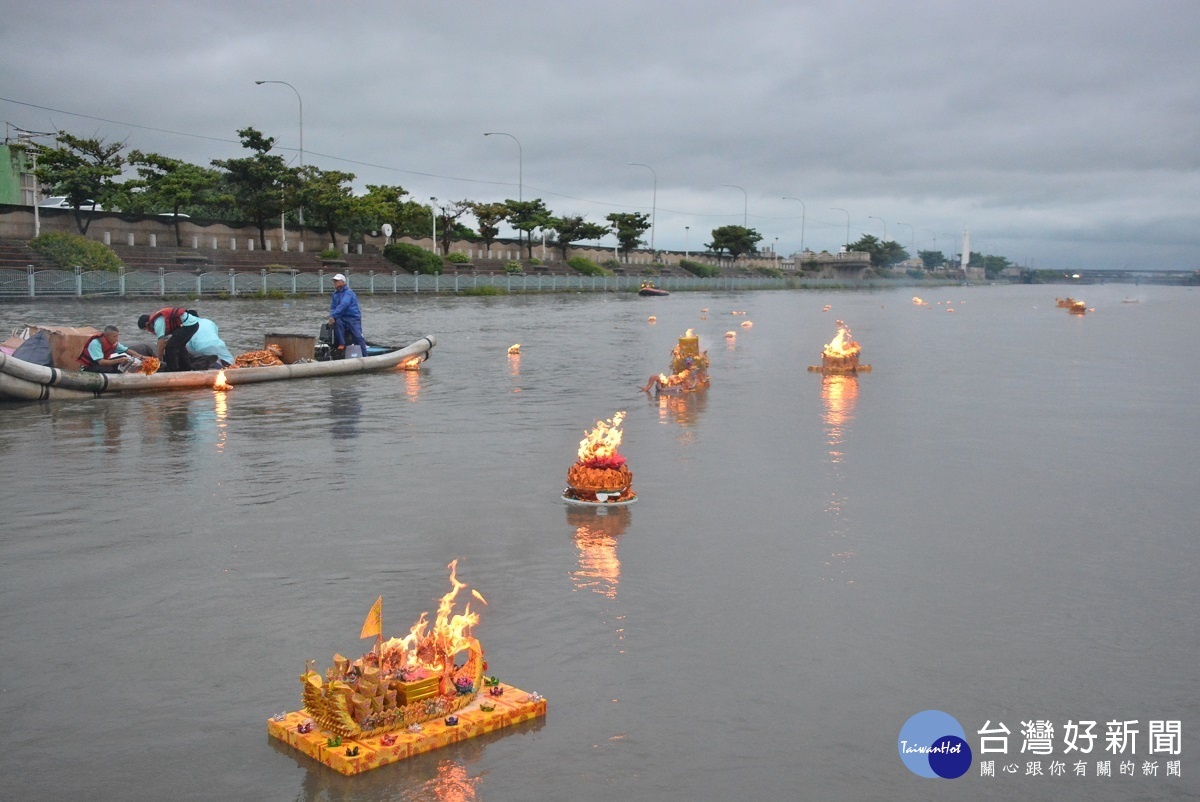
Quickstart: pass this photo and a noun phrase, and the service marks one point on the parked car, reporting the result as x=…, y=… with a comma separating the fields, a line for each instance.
x=180, y=215
x=61, y=202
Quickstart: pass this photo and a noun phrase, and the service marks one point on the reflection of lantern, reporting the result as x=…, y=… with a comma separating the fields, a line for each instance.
x=596, y=534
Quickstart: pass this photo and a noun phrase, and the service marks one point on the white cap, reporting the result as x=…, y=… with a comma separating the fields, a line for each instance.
x=339, y=277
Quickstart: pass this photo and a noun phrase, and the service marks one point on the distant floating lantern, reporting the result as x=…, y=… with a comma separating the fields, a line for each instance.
x=841, y=355
x=600, y=475
x=652, y=319
x=729, y=335
x=826, y=309
x=514, y=349
x=746, y=324
x=919, y=302
x=704, y=311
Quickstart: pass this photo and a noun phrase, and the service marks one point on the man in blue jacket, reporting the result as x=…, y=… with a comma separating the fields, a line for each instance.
x=345, y=317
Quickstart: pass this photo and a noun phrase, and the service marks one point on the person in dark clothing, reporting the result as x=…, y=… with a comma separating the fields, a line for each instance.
x=179, y=325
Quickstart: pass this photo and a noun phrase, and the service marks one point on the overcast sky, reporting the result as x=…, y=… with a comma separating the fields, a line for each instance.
x=1063, y=133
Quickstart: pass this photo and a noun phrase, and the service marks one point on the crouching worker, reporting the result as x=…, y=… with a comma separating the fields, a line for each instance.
x=180, y=326
x=103, y=353
x=207, y=349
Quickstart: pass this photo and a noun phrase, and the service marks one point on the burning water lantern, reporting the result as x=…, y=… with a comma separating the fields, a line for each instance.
x=411, y=364
x=841, y=354
x=599, y=474
x=652, y=319
x=434, y=672
x=220, y=383
x=514, y=349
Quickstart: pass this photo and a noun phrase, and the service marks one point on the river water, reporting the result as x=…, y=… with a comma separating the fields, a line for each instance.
x=998, y=522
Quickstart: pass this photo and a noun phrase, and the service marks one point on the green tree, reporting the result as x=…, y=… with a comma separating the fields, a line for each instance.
x=932, y=259
x=574, y=228
x=260, y=186
x=166, y=183
x=489, y=216
x=328, y=198
x=992, y=265
x=737, y=240
x=81, y=170
x=525, y=216
x=882, y=253
x=386, y=204
x=449, y=229
x=629, y=227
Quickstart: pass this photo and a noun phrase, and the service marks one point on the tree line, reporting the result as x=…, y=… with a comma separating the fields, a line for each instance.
x=260, y=187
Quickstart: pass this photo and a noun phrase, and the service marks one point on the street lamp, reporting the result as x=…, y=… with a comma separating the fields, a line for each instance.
x=520, y=161
x=653, y=202
x=433, y=216
x=686, y=231
x=880, y=219
x=745, y=203
x=836, y=209
x=520, y=170
x=912, y=239
x=301, y=101
x=802, y=215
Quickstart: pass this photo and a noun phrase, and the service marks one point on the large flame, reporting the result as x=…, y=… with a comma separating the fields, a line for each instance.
x=603, y=441
x=220, y=383
x=842, y=344
x=433, y=648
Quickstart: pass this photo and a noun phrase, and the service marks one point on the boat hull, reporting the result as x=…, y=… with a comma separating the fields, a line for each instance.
x=24, y=381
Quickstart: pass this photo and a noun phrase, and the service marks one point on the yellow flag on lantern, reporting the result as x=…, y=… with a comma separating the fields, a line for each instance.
x=374, y=624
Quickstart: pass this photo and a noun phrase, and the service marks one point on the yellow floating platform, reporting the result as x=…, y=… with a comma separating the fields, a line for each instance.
x=512, y=707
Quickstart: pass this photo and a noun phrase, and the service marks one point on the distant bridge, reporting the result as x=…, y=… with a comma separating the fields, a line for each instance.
x=1115, y=277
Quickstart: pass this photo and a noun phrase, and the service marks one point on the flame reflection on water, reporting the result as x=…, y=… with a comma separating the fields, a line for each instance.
x=839, y=394
x=222, y=412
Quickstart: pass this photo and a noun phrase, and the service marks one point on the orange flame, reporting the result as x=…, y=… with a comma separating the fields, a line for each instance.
x=515, y=348
x=842, y=344
x=411, y=364
x=219, y=383
x=602, y=441
x=434, y=648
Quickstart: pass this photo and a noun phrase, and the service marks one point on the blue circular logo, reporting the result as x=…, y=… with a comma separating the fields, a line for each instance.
x=933, y=744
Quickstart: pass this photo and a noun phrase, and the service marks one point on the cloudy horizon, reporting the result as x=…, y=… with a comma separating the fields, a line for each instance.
x=1064, y=135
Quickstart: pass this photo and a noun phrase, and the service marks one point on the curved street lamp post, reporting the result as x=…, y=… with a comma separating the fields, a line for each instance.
x=802, y=216
x=520, y=167
x=653, y=201
x=301, y=102
x=836, y=209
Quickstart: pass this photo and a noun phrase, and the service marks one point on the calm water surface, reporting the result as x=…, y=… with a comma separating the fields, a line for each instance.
x=997, y=522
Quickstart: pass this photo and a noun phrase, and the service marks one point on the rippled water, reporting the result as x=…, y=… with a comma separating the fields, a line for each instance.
x=998, y=522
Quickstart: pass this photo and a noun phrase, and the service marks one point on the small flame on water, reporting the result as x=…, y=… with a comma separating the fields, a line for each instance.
x=515, y=348
x=220, y=383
